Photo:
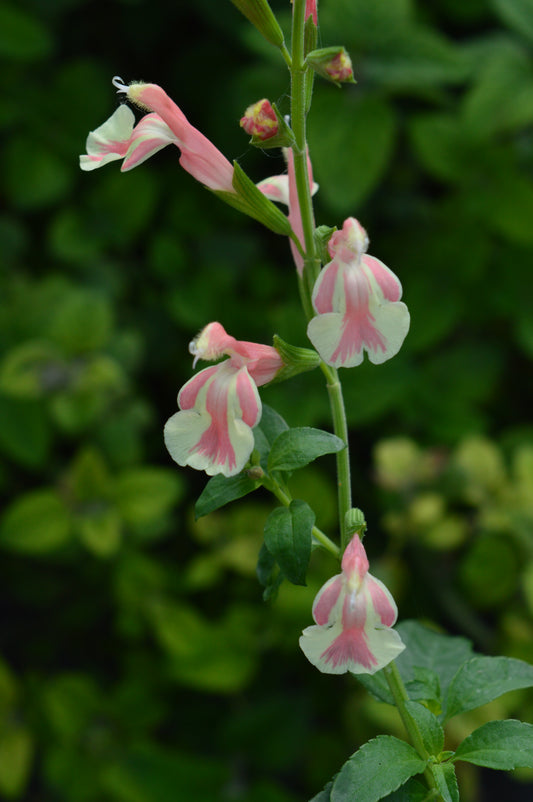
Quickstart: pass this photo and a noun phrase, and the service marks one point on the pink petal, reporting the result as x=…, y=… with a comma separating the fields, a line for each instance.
x=189, y=392
x=149, y=136
x=354, y=559
x=110, y=141
x=382, y=600
x=198, y=154
x=326, y=599
x=389, y=284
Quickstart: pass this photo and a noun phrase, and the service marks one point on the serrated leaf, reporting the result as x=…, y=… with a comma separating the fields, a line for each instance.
x=221, y=490
x=482, y=679
x=430, y=729
x=288, y=539
x=499, y=745
x=324, y=795
x=363, y=775
x=411, y=791
x=298, y=447
x=426, y=651
x=444, y=774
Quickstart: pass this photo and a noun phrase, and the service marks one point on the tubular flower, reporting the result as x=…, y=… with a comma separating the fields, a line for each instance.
x=117, y=138
x=357, y=300
x=220, y=405
x=282, y=189
x=354, y=613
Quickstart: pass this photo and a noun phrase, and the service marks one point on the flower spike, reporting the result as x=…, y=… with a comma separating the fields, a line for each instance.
x=357, y=300
x=354, y=613
x=220, y=405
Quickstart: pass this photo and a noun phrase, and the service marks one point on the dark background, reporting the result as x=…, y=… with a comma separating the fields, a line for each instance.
x=138, y=661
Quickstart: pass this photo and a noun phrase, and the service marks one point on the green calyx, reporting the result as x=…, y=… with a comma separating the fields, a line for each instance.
x=259, y=13
x=295, y=359
x=355, y=523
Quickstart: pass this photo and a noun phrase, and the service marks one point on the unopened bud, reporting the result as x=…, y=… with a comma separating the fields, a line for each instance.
x=354, y=522
x=332, y=63
x=260, y=120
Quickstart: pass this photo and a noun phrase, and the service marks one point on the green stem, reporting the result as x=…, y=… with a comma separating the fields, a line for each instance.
x=299, y=149
x=283, y=495
x=340, y=427
x=311, y=260
x=399, y=693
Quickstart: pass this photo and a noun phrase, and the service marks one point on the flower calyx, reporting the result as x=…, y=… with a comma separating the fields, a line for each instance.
x=332, y=63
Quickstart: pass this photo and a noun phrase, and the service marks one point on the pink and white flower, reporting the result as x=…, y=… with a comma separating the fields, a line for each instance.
x=282, y=189
x=119, y=138
x=220, y=405
x=354, y=613
x=357, y=300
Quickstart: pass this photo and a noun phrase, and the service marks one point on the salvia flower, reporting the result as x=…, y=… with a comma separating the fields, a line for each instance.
x=220, y=405
x=165, y=124
x=260, y=120
x=357, y=300
x=311, y=10
x=354, y=613
x=282, y=189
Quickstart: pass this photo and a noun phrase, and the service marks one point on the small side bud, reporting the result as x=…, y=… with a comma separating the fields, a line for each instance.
x=322, y=236
x=332, y=63
x=260, y=121
x=267, y=127
x=295, y=359
x=259, y=13
x=355, y=523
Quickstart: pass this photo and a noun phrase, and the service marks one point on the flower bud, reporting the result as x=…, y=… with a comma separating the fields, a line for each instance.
x=260, y=120
x=355, y=523
x=332, y=63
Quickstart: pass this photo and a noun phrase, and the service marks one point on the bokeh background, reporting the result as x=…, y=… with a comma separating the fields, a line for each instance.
x=138, y=660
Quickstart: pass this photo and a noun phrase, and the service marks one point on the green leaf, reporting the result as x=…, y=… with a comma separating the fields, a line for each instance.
x=220, y=490
x=353, y=149
x=518, y=14
x=31, y=369
x=483, y=679
x=267, y=431
x=22, y=37
x=100, y=530
x=426, y=651
x=144, y=495
x=324, y=795
x=412, y=791
x=298, y=447
x=363, y=775
x=82, y=323
x=428, y=724
x=16, y=753
x=35, y=523
x=25, y=431
x=499, y=745
x=34, y=175
x=288, y=538
x=444, y=774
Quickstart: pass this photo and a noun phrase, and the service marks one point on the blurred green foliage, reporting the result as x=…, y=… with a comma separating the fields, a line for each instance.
x=139, y=663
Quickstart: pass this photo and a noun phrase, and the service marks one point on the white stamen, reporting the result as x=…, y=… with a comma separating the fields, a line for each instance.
x=119, y=84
